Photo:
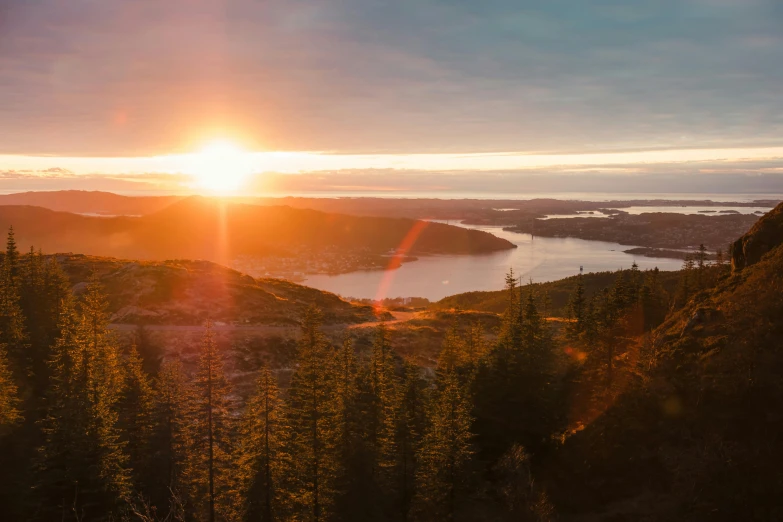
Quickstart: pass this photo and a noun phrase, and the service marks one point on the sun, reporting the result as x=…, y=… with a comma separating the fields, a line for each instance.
x=221, y=166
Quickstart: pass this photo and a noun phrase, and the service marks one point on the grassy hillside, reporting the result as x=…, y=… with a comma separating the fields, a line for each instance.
x=189, y=292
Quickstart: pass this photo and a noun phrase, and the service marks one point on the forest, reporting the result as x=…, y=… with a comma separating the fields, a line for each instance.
x=92, y=428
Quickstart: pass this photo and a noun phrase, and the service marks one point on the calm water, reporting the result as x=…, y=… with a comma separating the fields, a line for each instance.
x=542, y=259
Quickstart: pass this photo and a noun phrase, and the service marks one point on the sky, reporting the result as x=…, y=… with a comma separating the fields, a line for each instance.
x=119, y=95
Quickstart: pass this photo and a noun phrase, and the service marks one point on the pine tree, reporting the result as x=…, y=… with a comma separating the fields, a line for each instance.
x=351, y=481
x=686, y=280
x=701, y=267
x=170, y=448
x=382, y=400
x=102, y=371
x=509, y=333
x=547, y=304
x=150, y=352
x=410, y=417
x=516, y=377
x=576, y=308
x=453, y=351
x=259, y=448
x=634, y=284
x=9, y=400
x=653, y=300
x=42, y=290
x=82, y=470
x=621, y=292
x=209, y=432
x=533, y=326
x=11, y=255
x=313, y=432
x=136, y=415
x=445, y=451
x=590, y=333
x=12, y=329
x=475, y=346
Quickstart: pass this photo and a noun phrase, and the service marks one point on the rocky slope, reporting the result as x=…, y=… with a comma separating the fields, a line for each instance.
x=765, y=235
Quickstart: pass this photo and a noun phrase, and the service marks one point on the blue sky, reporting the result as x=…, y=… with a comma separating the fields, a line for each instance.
x=83, y=78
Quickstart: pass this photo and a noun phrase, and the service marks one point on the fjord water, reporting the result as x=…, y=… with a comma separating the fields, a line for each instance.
x=435, y=277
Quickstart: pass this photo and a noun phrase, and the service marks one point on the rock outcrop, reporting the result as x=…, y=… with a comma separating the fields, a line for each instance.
x=765, y=235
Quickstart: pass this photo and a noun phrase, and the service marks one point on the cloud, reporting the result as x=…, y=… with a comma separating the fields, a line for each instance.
x=763, y=177
x=58, y=178
x=110, y=77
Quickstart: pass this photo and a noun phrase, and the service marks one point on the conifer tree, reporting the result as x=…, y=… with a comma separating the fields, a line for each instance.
x=208, y=465
x=453, y=351
x=136, y=415
x=150, y=352
x=170, y=449
x=9, y=400
x=509, y=334
x=686, y=280
x=102, y=371
x=475, y=346
x=653, y=300
x=259, y=451
x=516, y=377
x=42, y=290
x=11, y=255
x=82, y=469
x=547, y=304
x=410, y=415
x=533, y=328
x=590, y=332
x=445, y=451
x=352, y=478
x=312, y=426
x=382, y=391
x=701, y=267
x=12, y=328
x=576, y=308
x=634, y=283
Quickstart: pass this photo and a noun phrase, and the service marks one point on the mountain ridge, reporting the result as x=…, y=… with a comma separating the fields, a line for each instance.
x=202, y=228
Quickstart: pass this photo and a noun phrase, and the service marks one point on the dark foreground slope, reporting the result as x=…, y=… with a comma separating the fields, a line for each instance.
x=201, y=228
x=188, y=293
x=698, y=435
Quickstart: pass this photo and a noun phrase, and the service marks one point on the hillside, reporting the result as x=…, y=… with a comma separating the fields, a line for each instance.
x=201, y=228
x=696, y=435
x=659, y=230
x=559, y=291
x=90, y=202
x=189, y=292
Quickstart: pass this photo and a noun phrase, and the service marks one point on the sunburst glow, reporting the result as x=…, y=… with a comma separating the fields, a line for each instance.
x=221, y=167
